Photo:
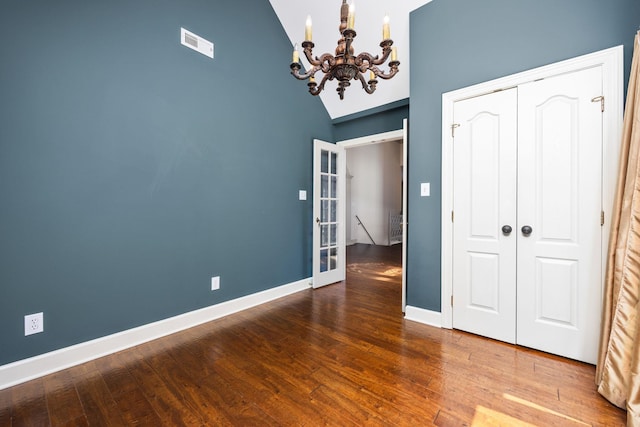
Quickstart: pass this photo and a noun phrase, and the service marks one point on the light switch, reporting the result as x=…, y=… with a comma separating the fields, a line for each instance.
x=302, y=195
x=425, y=189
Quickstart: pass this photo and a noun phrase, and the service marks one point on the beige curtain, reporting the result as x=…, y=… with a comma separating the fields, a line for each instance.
x=618, y=369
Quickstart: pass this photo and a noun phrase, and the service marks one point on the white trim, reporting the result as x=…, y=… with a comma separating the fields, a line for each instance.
x=405, y=185
x=612, y=86
x=47, y=363
x=420, y=315
x=446, y=242
x=378, y=138
x=611, y=61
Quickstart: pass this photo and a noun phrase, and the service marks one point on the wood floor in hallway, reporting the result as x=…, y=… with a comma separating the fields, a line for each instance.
x=340, y=355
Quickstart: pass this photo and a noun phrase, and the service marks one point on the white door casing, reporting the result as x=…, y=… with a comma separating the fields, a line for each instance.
x=329, y=176
x=405, y=212
x=553, y=314
x=380, y=138
x=484, y=198
x=559, y=198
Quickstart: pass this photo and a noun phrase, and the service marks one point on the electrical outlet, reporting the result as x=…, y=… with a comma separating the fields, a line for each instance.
x=33, y=323
x=215, y=283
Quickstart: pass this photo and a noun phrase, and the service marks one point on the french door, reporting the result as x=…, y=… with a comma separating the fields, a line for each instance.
x=527, y=203
x=329, y=173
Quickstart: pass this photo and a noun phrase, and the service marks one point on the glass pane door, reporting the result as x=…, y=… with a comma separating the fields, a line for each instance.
x=329, y=167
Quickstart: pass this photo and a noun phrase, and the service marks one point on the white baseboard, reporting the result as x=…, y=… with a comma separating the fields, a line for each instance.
x=428, y=317
x=47, y=363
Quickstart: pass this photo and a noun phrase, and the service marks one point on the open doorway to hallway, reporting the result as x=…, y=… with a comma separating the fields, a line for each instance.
x=374, y=194
x=374, y=212
x=398, y=185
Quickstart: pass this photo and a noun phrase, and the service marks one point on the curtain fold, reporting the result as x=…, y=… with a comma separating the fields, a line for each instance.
x=618, y=367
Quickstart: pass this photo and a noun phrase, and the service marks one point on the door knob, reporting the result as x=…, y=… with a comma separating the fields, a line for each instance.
x=506, y=229
x=526, y=230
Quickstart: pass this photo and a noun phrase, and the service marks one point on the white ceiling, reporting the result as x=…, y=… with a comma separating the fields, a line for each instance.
x=368, y=25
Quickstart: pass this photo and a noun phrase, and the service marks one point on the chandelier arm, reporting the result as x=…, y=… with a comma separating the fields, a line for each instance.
x=392, y=71
x=309, y=55
x=316, y=89
x=375, y=70
x=373, y=60
x=326, y=62
x=295, y=71
x=368, y=87
x=386, y=51
x=364, y=61
x=365, y=56
x=381, y=60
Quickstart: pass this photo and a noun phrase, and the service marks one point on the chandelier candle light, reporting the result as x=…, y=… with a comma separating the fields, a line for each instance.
x=345, y=66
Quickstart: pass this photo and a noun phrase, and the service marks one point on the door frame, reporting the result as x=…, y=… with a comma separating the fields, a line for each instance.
x=395, y=135
x=611, y=61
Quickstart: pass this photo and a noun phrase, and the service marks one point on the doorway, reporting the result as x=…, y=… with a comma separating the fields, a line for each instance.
x=399, y=140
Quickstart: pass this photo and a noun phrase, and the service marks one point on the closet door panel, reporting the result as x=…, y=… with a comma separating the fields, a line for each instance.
x=484, y=261
x=559, y=205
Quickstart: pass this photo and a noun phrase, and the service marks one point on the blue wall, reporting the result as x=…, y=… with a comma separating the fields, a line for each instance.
x=371, y=122
x=457, y=43
x=132, y=169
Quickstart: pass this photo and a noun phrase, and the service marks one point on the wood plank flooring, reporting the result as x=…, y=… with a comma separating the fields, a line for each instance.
x=341, y=355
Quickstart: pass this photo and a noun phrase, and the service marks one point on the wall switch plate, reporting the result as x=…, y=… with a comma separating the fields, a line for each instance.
x=425, y=189
x=33, y=323
x=302, y=195
x=215, y=283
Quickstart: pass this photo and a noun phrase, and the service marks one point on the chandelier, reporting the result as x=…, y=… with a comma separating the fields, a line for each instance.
x=345, y=65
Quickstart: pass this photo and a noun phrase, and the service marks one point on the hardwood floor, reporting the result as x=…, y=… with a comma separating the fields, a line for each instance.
x=339, y=355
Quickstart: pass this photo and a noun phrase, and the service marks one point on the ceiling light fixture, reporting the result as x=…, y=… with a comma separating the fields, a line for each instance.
x=345, y=66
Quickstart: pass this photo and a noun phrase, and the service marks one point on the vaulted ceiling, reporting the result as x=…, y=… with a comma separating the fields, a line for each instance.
x=368, y=25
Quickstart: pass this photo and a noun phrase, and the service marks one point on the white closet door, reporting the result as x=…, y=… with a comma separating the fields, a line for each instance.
x=484, y=257
x=559, y=199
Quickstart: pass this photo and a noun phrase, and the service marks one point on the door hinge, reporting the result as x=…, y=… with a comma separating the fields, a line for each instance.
x=451, y=216
x=601, y=218
x=453, y=128
x=601, y=100
x=451, y=300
